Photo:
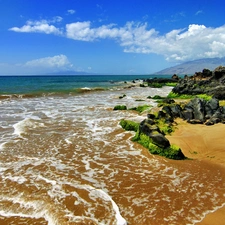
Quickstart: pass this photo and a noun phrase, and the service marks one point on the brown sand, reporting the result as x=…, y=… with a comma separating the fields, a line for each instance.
x=203, y=142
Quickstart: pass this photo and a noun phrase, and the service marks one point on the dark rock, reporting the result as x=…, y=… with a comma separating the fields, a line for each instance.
x=150, y=121
x=188, y=114
x=160, y=140
x=175, y=77
x=197, y=105
x=206, y=73
x=195, y=121
x=219, y=72
x=211, y=107
x=176, y=110
x=151, y=116
x=147, y=129
x=161, y=114
x=205, y=82
x=215, y=120
x=167, y=110
x=168, y=101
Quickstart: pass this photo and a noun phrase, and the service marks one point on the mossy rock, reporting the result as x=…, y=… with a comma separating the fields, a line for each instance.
x=120, y=107
x=129, y=125
x=171, y=152
x=141, y=108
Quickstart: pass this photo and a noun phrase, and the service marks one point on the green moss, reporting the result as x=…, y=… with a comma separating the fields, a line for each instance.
x=184, y=96
x=205, y=96
x=171, y=84
x=176, y=95
x=120, y=107
x=156, y=85
x=222, y=102
x=164, y=127
x=129, y=125
x=141, y=108
x=172, y=152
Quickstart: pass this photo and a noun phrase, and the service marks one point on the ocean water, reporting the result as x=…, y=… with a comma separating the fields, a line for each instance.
x=65, y=160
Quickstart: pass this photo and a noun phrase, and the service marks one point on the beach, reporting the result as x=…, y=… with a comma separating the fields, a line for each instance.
x=203, y=143
x=65, y=160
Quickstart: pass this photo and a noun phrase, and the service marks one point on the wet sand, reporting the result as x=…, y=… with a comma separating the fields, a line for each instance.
x=200, y=142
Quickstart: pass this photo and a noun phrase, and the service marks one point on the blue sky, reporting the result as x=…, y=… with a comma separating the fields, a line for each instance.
x=108, y=36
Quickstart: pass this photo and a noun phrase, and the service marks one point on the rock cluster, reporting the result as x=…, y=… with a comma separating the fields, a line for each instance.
x=205, y=82
x=197, y=111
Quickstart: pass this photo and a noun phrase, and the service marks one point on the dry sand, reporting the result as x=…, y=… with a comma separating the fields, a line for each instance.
x=203, y=142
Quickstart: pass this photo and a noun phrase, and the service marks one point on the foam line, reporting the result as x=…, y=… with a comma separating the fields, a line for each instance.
x=105, y=196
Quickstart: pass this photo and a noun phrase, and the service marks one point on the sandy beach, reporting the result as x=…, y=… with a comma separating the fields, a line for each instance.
x=201, y=142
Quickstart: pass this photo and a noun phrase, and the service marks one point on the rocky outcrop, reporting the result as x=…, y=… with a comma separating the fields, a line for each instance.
x=197, y=111
x=149, y=128
x=205, y=82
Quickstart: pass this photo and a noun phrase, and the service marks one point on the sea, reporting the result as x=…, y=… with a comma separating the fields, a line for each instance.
x=65, y=160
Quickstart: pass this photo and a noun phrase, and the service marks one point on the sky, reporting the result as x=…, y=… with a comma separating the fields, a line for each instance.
x=108, y=36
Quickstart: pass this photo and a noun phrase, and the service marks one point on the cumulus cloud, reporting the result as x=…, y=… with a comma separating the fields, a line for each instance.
x=195, y=41
x=42, y=26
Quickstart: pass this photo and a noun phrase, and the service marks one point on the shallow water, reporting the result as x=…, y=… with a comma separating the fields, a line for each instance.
x=65, y=160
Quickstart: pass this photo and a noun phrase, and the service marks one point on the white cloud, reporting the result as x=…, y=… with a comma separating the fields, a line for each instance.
x=71, y=11
x=38, y=66
x=42, y=26
x=80, y=31
x=196, y=41
x=58, y=61
x=198, y=12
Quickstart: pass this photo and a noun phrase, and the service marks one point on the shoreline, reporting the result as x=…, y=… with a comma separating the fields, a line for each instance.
x=204, y=143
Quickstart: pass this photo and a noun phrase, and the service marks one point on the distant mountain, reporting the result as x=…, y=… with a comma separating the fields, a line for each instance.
x=191, y=67
x=70, y=72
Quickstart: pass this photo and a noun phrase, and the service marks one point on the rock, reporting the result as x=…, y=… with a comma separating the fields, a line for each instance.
x=188, y=114
x=161, y=114
x=167, y=110
x=160, y=140
x=209, y=123
x=176, y=110
x=219, y=72
x=205, y=82
x=211, y=107
x=147, y=129
x=150, y=121
x=175, y=77
x=206, y=73
x=151, y=116
x=195, y=121
x=168, y=101
x=197, y=105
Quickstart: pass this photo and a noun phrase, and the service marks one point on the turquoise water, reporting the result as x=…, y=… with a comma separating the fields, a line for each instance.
x=61, y=84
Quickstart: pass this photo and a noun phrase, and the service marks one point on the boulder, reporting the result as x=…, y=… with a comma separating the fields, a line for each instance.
x=187, y=114
x=147, y=128
x=197, y=105
x=160, y=140
x=175, y=77
x=176, y=110
x=211, y=107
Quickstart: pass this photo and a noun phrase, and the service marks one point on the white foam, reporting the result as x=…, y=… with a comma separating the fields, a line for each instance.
x=52, y=182
x=18, y=179
x=23, y=126
x=100, y=193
